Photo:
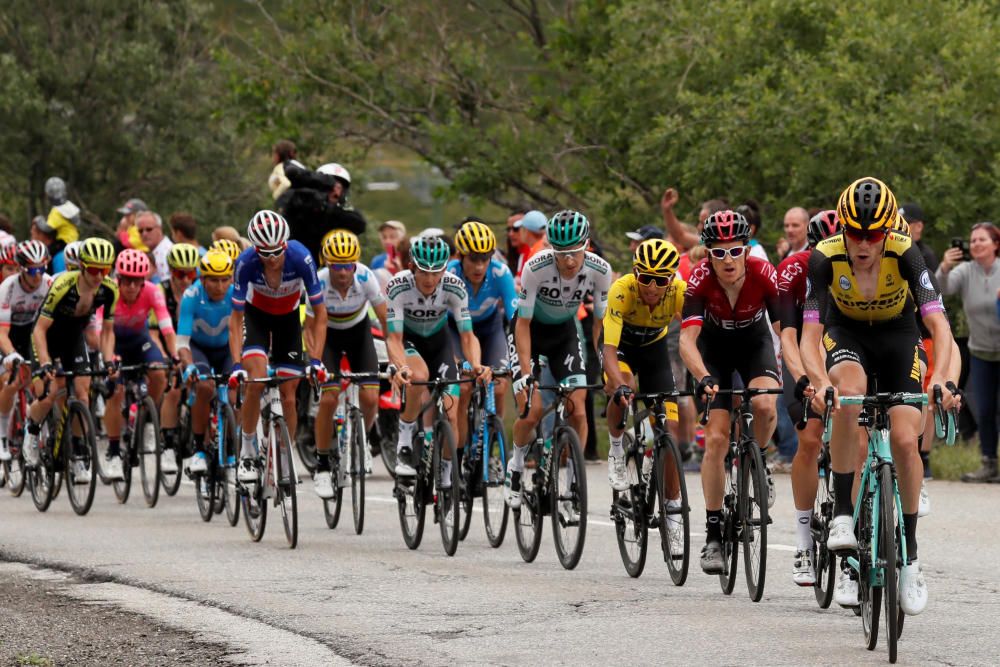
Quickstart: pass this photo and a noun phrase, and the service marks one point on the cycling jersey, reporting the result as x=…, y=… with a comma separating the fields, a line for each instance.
x=297, y=275
x=903, y=280
x=418, y=315
x=19, y=309
x=132, y=319
x=793, y=274
x=707, y=305
x=63, y=299
x=169, y=298
x=203, y=321
x=549, y=298
x=497, y=287
x=630, y=321
x=343, y=312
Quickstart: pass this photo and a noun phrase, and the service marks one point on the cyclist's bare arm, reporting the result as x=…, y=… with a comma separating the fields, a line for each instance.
x=107, y=339
x=5, y=345
x=236, y=336
x=38, y=337
x=790, y=352
x=318, y=332
x=522, y=344
x=690, y=354
x=382, y=313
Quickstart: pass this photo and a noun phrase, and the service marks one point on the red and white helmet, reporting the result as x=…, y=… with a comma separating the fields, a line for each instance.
x=268, y=229
x=8, y=252
x=32, y=253
x=337, y=171
x=133, y=264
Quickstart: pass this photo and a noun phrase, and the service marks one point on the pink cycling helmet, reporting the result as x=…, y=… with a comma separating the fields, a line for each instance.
x=133, y=264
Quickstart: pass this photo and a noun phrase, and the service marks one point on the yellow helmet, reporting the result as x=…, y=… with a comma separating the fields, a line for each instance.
x=231, y=248
x=656, y=257
x=97, y=252
x=183, y=256
x=341, y=247
x=475, y=238
x=900, y=225
x=216, y=264
x=867, y=204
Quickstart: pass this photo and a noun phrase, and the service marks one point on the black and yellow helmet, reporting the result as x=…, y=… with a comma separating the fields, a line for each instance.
x=216, y=264
x=97, y=252
x=867, y=204
x=231, y=248
x=183, y=256
x=475, y=238
x=656, y=257
x=341, y=247
x=900, y=225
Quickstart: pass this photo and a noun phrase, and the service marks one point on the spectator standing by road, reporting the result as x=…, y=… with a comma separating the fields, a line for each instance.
x=514, y=248
x=914, y=216
x=64, y=216
x=184, y=229
x=644, y=233
x=795, y=223
x=150, y=226
x=282, y=152
x=127, y=235
x=977, y=282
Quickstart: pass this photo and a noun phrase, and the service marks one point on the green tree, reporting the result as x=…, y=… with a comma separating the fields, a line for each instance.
x=600, y=104
x=120, y=99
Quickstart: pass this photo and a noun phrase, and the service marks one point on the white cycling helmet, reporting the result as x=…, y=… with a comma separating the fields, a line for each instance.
x=32, y=253
x=71, y=254
x=335, y=170
x=268, y=229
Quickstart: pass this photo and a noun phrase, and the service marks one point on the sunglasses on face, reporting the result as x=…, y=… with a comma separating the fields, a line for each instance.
x=859, y=235
x=131, y=281
x=349, y=266
x=180, y=274
x=479, y=258
x=569, y=253
x=721, y=253
x=649, y=279
x=271, y=253
x=35, y=270
x=97, y=270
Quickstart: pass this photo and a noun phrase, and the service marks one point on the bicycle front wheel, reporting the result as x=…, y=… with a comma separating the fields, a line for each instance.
x=730, y=529
x=889, y=551
x=80, y=456
x=41, y=482
x=230, y=446
x=753, y=518
x=869, y=594
x=628, y=509
x=285, y=482
x=387, y=423
x=411, y=497
x=150, y=447
x=675, y=512
x=358, y=455
x=447, y=495
x=824, y=561
x=495, y=510
x=568, y=496
x=171, y=481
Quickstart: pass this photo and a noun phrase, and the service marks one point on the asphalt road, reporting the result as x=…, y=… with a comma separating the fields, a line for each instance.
x=369, y=600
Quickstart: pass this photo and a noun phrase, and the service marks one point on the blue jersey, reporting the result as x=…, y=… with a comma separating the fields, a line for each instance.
x=203, y=321
x=298, y=275
x=497, y=287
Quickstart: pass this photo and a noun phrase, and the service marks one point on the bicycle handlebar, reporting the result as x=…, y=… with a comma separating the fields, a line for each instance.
x=745, y=394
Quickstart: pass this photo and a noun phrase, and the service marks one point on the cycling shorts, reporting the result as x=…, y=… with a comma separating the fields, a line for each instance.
x=437, y=353
x=138, y=349
x=649, y=363
x=747, y=358
x=20, y=338
x=212, y=360
x=927, y=356
x=69, y=351
x=889, y=353
x=279, y=334
x=562, y=345
x=357, y=345
x=493, y=347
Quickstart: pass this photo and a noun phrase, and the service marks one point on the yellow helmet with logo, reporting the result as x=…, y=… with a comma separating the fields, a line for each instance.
x=97, y=252
x=900, y=225
x=341, y=247
x=216, y=264
x=656, y=257
x=475, y=238
x=183, y=256
x=231, y=248
x=867, y=204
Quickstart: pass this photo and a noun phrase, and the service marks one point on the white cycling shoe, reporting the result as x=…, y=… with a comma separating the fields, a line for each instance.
x=912, y=589
x=846, y=593
x=925, y=500
x=512, y=489
x=675, y=538
x=323, y=484
x=198, y=464
x=113, y=468
x=803, y=573
x=30, y=450
x=4, y=451
x=82, y=473
x=168, y=461
x=616, y=472
x=771, y=491
x=841, y=538
x=247, y=471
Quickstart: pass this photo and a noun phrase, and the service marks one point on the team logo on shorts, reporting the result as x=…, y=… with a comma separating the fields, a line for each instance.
x=845, y=284
x=828, y=342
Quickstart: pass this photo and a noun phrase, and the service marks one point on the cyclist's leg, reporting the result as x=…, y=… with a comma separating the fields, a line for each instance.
x=288, y=359
x=568, y=364
x=464, y=390
x=204, y=390
x=362, y=357
x=410, y=411
x=657, y=377
x=713, y=474
x=759, y=369
x=330, y=391
x=256, y=342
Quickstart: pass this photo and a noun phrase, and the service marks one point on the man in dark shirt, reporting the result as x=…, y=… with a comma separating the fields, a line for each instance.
x=914, y=216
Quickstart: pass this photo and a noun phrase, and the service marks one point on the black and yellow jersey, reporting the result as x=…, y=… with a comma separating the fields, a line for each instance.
x=629, y=321
x=173, y=305
x=63, y=299
x=903, y=281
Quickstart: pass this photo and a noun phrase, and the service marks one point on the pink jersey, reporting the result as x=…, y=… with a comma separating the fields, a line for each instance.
x=132, y=319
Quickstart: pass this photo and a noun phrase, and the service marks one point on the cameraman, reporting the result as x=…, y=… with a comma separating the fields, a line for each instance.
x=317, y=203
x=977, y=281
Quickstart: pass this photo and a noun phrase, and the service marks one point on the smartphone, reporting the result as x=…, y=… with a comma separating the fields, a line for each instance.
x=962, y=245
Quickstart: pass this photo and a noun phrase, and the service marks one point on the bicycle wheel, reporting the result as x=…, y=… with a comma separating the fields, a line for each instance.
x=14, y=472
x=41, y=483
x=753, y=518
x=14, y=469
x=730, y=531
x=149, y=446
x=446, y=500
x=204, y=494
x=332, y=506
x=123, y=487
x=495, y=510
x=468, y=487
x=387, y=423
x=528, y=522
x=628, y=510
x=80, y=456
x=358, y=445
x=675, y=512
x=171, y=481
x=411, y=497
x=824, y=562
x=870, y=595
x=889, y=551
x=568, y=497
x=230, y=446
x=285, y=482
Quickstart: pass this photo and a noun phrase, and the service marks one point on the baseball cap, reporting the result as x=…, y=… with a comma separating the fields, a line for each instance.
x=645, y=233
x=431, y=232
x=393, y=224
x=912, y=212
x=533, y=221
x=133, y=206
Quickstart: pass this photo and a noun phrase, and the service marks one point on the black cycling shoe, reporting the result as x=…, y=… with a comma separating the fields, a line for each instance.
x=712, y=561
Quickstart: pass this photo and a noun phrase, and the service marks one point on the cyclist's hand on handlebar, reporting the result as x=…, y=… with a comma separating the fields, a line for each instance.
x=956, y=394
x=622, y=395
x=483, y=373
x=237, y=376
x=46, y=371
x=947, y=398
x=521, y=383
x=707, y=387
x=191, y=371
x=401, y=377
x=804, y=389
x=11, y=359
x=319, y=370
x=819, y=399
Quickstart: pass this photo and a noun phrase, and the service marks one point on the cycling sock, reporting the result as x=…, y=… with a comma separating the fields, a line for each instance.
x=803, y=529
x=616, y=445
x=925, y=457
x=446, y=470
x=910, y=526
x=114, y=447
x=517, y=459
x=199, y=442
x=4, y=423
x=32, y=427
x=405, y=434
x=713, y=525
x=323, y=461
x=570, y=475
x=247, y=449
x=168, y=437
x=842, y=483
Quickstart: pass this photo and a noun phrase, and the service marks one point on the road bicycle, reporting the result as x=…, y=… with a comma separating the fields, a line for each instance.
x=216, y=488
x=141, y=438
x=558, y=483
x=13, y=471
x=657, y=495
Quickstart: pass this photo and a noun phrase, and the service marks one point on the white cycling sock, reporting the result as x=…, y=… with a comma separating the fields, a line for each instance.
x=674, y=519
x=247, y=449
x=616, y=445
x=405, y=434
x=446, y=472
x=517, y=459
x=4, y=424
x=803, y=523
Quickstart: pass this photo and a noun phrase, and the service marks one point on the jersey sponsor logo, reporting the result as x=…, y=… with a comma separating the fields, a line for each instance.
x=789, y=274
x=699, y=273
x=887, y=303
x=828, y=342
x=915, y=370
x=723, y=323
x=554, y=296
x=845, y=283
x=620, y=296
x=925, y=280
x=890, y=280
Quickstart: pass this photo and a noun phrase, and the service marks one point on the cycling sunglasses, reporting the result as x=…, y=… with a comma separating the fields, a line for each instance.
x=720, y=253
x=34, y=270
x=131, y=280
x=870, y=235
x=479, y=257
x=571, y=251
x=649, y=279
x=97, y=270
x=180, y=274
x=348, y=266
x=271, y=253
